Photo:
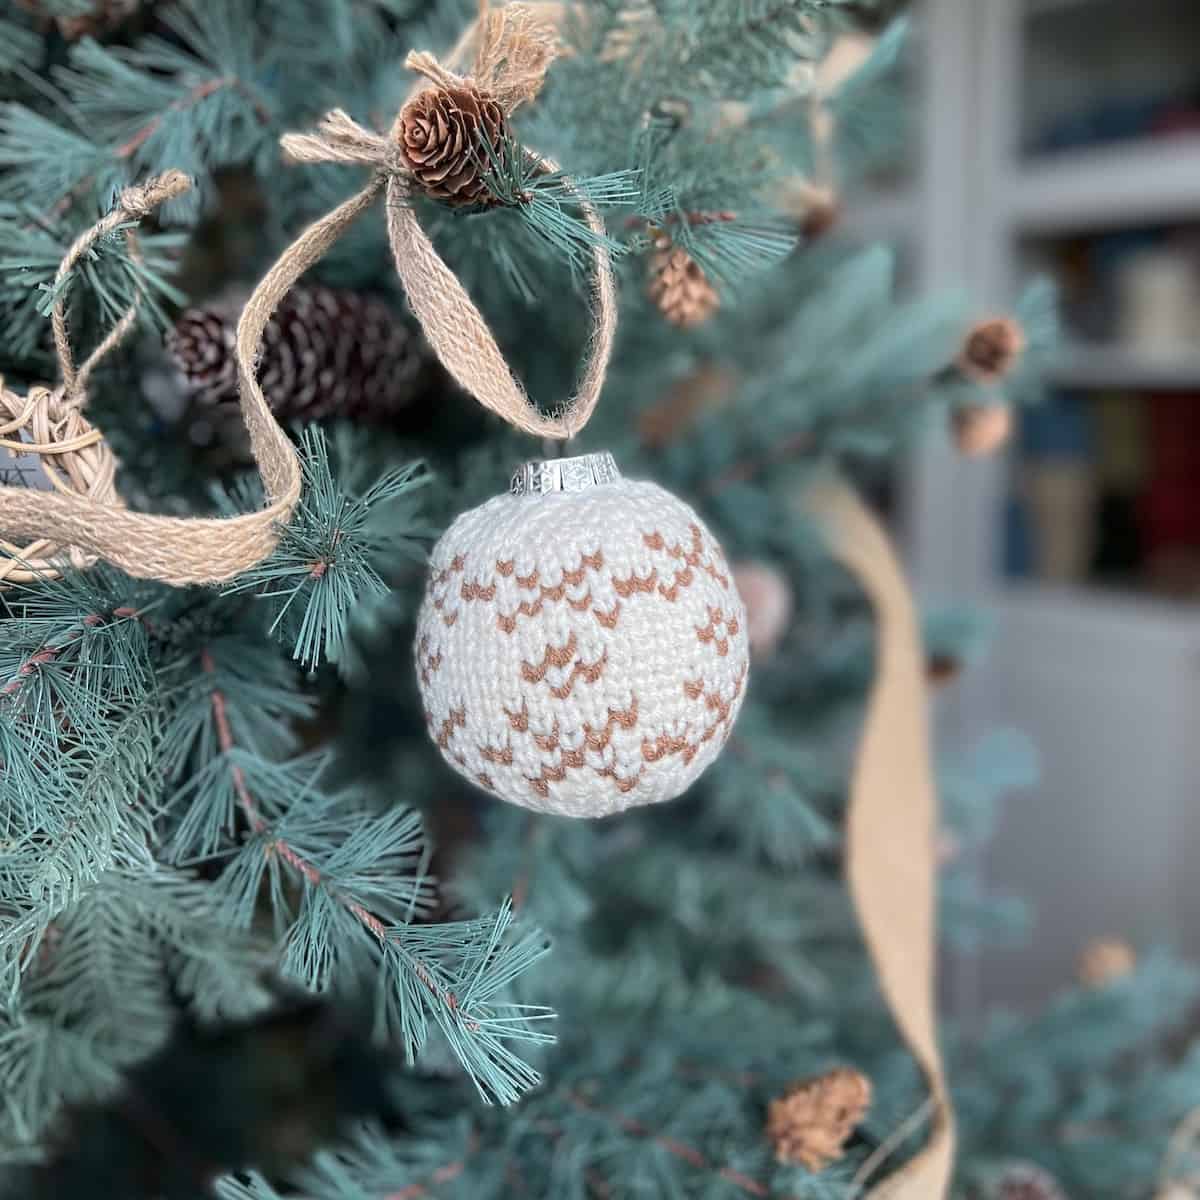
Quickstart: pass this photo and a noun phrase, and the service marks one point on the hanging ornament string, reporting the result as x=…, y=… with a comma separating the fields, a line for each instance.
x=514, y=49
x=890, y=826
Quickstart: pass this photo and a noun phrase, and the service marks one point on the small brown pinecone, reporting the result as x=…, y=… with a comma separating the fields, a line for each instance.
x=1104, y=961
x=1025, y=1181
x=942, y=669
x=324, y=352
x=769, y=600
x=811, y=1122
x=679, y=286
x=823, y=212
x=443, y=132
x=991, y=349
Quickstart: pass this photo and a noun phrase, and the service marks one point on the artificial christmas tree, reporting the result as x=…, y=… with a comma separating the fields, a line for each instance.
x=214, y=797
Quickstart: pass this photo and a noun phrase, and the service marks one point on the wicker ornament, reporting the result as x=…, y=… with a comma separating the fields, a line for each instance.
x=980, y=430
x=1024, y=1181
x=325, y=352
x=47, y=443
x=769, y=605
x=679, y=286
x=581, y=648
x=812, y=1121
x=1104, y=961
x=444, y=132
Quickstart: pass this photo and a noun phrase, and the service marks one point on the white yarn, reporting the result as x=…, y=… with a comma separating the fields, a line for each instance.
x=581, y=653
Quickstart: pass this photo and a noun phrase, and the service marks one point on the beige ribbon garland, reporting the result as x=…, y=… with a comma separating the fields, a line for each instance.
x=891, y=823
x=513, y=46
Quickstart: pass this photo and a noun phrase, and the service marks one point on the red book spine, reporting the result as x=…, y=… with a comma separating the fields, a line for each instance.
x=1170, y=509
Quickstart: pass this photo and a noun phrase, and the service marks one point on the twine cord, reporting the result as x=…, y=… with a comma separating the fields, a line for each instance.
x=135, y=204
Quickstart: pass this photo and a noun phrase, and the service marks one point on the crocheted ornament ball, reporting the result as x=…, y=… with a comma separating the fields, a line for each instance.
x=581, y=653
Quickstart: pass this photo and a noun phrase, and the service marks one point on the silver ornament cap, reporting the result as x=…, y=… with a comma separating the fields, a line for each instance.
x=541, y=477
x=582, y=647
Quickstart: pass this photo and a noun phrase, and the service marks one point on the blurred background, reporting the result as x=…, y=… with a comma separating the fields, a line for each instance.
x=1063, y=137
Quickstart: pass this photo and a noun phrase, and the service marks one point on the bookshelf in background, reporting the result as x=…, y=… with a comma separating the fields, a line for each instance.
x=1063, y=137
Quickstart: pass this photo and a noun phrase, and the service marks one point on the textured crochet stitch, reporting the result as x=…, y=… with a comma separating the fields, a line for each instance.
x=582, y=653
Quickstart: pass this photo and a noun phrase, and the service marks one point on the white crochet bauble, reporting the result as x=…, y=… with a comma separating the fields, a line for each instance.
x=581, y=652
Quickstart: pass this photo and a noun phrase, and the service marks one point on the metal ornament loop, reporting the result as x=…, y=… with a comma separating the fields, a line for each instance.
x=577, y=474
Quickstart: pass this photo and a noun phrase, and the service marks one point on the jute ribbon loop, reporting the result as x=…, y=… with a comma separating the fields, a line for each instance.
x=891, y=823
x=453, y=325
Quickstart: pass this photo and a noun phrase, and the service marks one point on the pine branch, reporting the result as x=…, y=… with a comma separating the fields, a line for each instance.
x=76, y=725
x=49, y=653
x=19, y=46
x=332, y=556
x=110, y=274
x=677, y=1149
x=452, y=970
x=543, y=199
x=202, y=91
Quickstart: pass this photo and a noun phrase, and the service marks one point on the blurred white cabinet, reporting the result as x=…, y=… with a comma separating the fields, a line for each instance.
x=1107, y=684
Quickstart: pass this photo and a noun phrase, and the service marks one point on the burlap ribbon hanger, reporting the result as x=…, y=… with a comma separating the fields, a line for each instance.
x=511, y=47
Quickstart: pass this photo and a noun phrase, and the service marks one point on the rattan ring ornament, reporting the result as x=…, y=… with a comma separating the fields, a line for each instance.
x=51, y=432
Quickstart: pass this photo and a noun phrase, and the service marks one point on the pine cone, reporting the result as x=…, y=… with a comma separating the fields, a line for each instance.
x=679, y=286
x=823, y=212
x=942, y=669
x=1028, y=1182
x=1104, y=961
x=991, y=349
x=442, y=136
x=811, y=1122
x=770, y=601
x=324, y=352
